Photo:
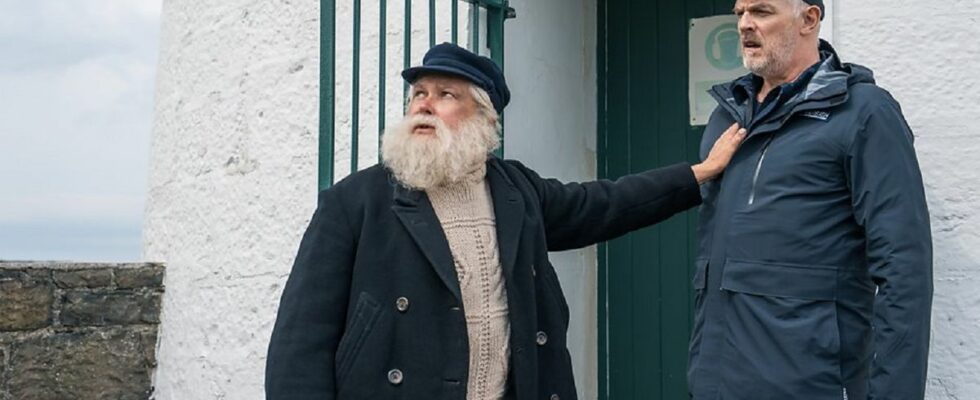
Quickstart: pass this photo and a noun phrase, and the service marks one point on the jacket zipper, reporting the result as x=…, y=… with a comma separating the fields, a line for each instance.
x=758, y=168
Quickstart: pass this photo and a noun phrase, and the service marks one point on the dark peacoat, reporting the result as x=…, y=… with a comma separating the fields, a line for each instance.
x=372, y=308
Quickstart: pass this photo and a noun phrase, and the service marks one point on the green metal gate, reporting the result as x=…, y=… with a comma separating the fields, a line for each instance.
x=415, y=26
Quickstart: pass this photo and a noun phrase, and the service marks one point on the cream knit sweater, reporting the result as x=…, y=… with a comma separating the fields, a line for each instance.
x=465, y=211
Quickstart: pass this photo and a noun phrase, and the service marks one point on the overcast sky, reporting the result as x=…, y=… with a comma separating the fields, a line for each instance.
x=76, y=110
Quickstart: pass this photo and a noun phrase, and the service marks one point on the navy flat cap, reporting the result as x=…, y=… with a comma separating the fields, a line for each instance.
x=448, y=58
x=818, y=3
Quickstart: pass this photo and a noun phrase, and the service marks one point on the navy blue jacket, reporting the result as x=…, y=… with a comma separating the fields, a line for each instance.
x=373, y=289
x=814, y=275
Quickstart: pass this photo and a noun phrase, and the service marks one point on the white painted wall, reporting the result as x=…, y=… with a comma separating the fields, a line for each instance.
x=550, y=126
x=926, y=53
x=232, y=184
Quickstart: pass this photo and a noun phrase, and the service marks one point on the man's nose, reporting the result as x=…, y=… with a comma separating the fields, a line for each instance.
x=421, y=106
x=745, y=23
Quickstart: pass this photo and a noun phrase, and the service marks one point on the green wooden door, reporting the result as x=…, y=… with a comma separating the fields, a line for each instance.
x=645, y=289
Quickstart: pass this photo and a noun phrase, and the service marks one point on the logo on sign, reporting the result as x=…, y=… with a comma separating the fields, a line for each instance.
x=721, y=47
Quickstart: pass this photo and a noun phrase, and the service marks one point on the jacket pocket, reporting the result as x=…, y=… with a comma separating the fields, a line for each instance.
x=782, y=330
x=365, y=316
x=780, y=280
x=553, y=287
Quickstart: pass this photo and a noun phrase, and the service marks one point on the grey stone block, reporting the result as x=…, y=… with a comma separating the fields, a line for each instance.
x=148, y=337
x=103, y=307
x=25, y=301
x=34, y=275
x=106, y=363
x=150, y=275
x=86, y=278
x=3, y=372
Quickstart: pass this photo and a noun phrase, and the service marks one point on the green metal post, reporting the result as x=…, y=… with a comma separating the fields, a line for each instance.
x=432, y=23
x=328, y=26
x=475, y=28
x=455, y=27
x=496, y=15
x=356, y=85
x=382, y=50
x=408, y=44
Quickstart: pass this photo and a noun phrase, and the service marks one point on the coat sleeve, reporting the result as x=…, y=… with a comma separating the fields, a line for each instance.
x=889, y=203
x=312, y=311
x=581, y=214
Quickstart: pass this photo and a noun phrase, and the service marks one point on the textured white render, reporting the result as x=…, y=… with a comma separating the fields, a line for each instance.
x=232, y=184
x=926, y=53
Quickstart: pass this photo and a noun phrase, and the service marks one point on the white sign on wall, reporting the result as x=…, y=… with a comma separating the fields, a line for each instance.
x=715, y=57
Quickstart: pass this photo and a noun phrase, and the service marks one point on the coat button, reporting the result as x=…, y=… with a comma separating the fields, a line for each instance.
x=401, y=304
x=395, y=377
x=555, y=397
x=534, y=271
x=542, y=338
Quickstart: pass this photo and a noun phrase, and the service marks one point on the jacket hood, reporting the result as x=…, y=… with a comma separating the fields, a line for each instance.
x=855, y=73
x=827, y=87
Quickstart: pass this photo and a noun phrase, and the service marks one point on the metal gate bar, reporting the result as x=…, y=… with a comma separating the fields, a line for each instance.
x=494, y=13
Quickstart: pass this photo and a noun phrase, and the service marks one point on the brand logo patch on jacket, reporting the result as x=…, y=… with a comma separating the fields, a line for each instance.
x=821, y=115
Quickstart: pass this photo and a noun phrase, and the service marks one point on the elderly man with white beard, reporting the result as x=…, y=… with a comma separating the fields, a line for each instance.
x=427, y=276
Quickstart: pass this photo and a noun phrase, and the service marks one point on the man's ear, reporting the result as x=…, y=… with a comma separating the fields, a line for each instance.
x=811, y=21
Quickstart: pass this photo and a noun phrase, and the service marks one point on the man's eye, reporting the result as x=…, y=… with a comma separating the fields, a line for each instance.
x=449, y=95
x=418, y=94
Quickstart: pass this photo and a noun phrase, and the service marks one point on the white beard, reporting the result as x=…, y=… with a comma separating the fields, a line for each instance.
x=426, y=161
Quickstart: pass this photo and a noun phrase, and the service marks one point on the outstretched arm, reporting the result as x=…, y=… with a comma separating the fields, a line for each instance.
x=582, y=214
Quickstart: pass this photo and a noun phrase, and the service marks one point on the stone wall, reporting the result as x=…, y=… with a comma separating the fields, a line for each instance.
x=78, y=331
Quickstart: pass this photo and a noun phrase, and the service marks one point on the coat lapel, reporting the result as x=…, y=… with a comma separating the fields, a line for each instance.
x=508, y=208
x=415, y=212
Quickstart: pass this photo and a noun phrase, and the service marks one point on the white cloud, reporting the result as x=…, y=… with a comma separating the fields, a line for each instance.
x=76, y=101
x=50, y=33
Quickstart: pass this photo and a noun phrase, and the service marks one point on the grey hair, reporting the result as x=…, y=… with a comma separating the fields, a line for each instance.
x=800, y=7
x=485, y=106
